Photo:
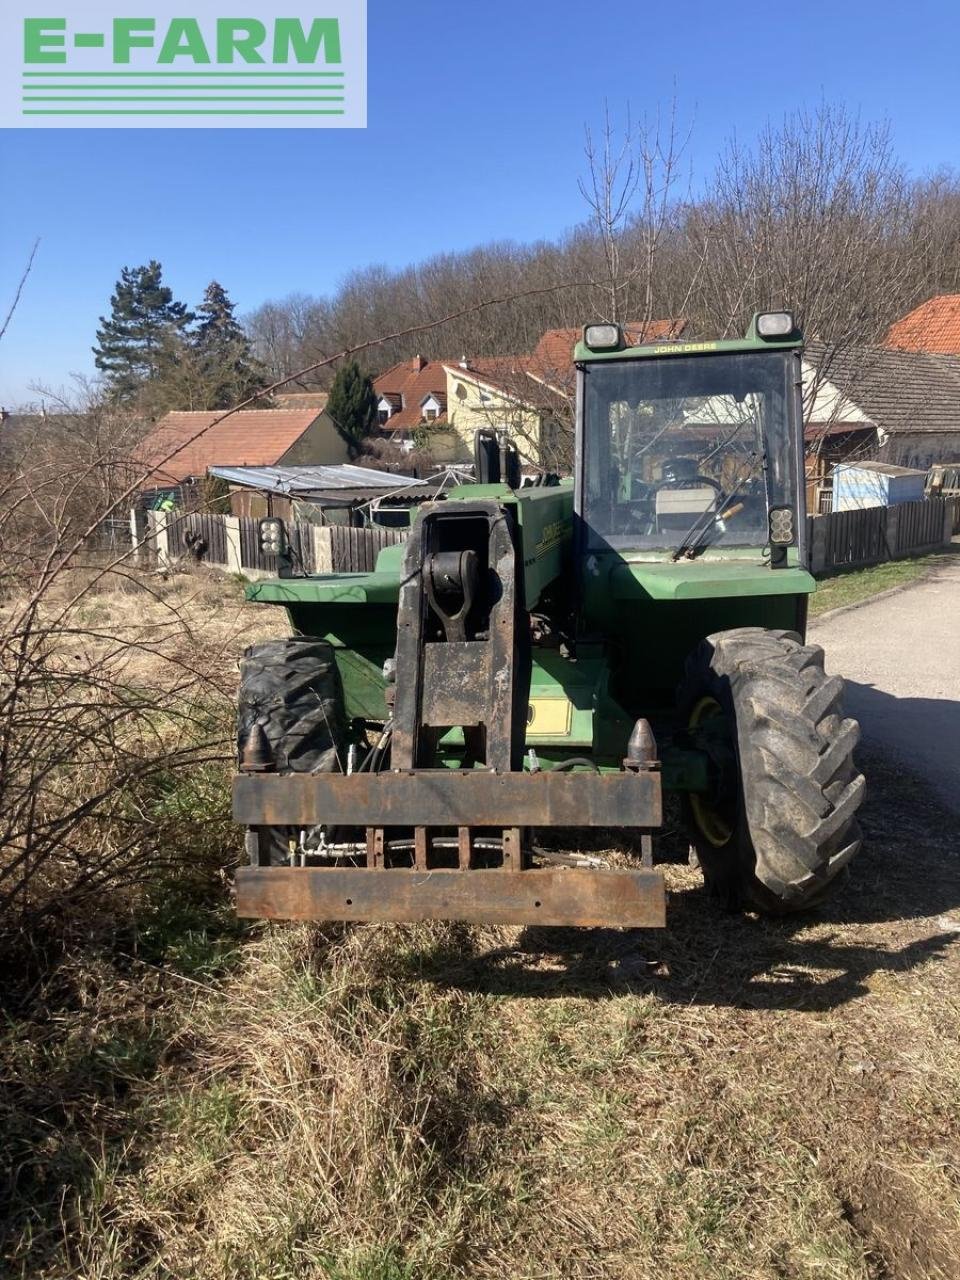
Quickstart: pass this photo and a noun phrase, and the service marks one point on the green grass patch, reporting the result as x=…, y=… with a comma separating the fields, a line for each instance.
x=853, y=585
x=377, y=1264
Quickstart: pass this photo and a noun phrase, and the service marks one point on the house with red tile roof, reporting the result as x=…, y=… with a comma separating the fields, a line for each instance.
x=551, y=360
x=531, y=396
x=876, y=404
x=933, y=327
x=411, y=394
x=498, y=393
x=182, y=446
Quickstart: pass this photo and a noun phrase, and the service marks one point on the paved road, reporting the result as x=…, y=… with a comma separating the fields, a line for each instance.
x=900, y=656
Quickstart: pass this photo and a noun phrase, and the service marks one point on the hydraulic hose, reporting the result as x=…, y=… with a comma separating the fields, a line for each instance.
x=563, y=765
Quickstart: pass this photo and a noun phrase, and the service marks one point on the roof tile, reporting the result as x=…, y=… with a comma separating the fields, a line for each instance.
x=900, y=391
x=186, y=444
x=413, y=380
x=933, y=327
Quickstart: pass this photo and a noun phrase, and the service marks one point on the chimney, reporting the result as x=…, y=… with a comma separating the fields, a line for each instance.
x=463, y=362
x=418, y=363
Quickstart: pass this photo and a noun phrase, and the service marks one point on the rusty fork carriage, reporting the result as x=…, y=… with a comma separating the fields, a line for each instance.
x=441, y=842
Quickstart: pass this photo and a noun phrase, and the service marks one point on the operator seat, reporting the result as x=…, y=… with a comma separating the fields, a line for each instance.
x=677, y=508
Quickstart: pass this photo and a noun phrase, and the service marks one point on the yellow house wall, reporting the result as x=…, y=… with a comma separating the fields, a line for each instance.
x=447, y=446
x=467, y=413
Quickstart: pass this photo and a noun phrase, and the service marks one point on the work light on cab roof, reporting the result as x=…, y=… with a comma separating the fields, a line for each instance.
x=775, y=324
x=603, y=337
x=768, y=326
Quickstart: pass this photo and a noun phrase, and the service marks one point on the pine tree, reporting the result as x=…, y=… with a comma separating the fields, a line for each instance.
x=222, y=349
x=353, y=405
x=143, y=314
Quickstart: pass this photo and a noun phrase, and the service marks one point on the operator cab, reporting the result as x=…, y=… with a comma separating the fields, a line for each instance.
x=686, y=446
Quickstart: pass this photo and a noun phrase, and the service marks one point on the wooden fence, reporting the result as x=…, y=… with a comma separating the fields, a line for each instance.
x=850, y=539
x=922, y=524
x=842, y=539
x=232, y=543
x=202, y=531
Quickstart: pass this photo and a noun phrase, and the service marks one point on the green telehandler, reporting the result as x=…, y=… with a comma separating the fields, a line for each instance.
x=561, y=655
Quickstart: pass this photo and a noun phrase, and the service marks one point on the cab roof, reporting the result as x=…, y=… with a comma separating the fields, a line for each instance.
x=751, y=342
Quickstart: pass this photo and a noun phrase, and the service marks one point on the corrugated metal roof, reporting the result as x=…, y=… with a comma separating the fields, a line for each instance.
x=360, y=497
x=306, y=479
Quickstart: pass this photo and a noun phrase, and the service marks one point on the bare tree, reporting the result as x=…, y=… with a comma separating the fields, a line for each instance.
x=813, y=218
x=18, y=292
x=934, y=237
x=630, y=190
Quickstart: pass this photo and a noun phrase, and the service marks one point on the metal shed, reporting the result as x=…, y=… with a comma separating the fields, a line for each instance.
x=874, y=484
x=324, y=494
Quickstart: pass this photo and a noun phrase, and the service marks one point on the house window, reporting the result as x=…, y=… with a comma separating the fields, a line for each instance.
x=429, y=414
x=383, y=416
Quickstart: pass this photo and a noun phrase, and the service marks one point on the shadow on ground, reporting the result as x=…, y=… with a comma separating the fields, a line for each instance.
x=899, y=909
x=923, y=733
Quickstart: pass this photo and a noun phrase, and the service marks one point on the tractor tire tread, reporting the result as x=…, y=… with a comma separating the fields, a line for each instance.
x=291, y=688
x=800, y=788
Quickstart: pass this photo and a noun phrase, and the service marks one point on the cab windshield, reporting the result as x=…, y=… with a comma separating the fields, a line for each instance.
x=687, y=442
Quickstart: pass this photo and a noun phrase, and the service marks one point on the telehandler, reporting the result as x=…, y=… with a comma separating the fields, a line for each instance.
x=562, y=655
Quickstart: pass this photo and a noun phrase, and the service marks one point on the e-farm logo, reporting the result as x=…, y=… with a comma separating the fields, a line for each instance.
x=93, y=67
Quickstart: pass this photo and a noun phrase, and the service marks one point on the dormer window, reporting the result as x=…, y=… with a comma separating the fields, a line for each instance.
x=387, y=406
x=432, y=405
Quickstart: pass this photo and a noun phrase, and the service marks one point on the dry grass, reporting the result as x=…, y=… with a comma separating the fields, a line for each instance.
x=116, y=689
x=187, y=1097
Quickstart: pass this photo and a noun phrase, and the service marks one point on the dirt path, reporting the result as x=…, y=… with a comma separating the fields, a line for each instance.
x=900, y=657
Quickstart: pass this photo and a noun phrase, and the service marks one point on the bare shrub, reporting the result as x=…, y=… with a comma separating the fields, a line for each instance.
x=110, y=692
x=113, y=684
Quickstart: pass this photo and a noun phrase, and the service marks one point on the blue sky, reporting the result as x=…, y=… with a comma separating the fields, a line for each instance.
x=475, y=133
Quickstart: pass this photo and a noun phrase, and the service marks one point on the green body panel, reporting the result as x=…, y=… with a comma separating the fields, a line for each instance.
x=615, y=578
x=656, y=636
x=545, y=519
x=657, y=612
x=563, y=696
x=647, y=615
x=329, y=589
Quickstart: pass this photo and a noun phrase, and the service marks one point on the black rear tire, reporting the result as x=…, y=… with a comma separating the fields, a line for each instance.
x=291, y=688
x=781, y=824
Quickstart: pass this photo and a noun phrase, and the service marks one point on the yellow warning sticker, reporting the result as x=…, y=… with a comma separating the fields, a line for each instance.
x=549, y=716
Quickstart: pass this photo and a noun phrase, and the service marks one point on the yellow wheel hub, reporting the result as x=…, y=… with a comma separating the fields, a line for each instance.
x=710, y=821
